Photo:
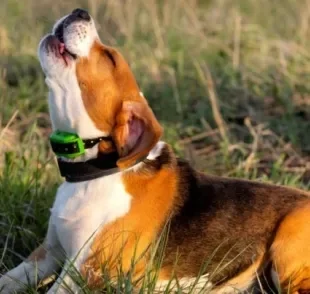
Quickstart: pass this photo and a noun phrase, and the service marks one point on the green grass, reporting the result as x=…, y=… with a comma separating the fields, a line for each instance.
x=229, y=81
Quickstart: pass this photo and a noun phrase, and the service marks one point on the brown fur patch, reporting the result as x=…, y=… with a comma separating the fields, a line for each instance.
x=105, y=86
x=290, y=250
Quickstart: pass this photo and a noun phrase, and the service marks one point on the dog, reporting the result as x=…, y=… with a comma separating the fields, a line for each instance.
x=125, y=188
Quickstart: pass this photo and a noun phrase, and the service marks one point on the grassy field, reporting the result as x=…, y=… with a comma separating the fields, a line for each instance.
x=229, y=81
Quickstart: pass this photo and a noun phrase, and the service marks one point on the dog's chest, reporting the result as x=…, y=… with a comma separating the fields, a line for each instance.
x=82, y=209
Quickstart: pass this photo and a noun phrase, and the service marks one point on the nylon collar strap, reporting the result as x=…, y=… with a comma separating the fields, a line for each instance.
x=101, y=166
x=70, y=145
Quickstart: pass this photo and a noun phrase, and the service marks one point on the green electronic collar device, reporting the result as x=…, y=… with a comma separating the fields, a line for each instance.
x=70, y=145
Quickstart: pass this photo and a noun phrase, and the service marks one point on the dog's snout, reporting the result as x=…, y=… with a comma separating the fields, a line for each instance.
x=81, y=13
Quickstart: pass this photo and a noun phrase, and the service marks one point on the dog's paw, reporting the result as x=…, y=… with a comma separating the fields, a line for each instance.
x=8, y=285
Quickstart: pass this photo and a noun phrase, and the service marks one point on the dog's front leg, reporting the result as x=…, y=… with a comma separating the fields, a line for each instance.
x=43, y=262
x=66, y=282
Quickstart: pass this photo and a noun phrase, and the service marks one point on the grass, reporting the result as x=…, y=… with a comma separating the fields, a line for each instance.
x=229, y=81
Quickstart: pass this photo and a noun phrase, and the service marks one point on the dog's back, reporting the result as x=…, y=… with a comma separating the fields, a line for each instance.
x=226, y=225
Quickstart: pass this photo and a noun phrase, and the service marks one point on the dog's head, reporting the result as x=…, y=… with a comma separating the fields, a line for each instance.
x=93, y=91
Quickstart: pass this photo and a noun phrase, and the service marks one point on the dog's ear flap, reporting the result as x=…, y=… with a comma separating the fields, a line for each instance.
x=136, y=132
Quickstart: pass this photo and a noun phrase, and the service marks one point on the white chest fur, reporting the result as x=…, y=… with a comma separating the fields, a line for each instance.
x=82, y=209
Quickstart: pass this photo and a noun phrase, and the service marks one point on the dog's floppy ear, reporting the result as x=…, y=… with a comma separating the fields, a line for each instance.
x=136, y=132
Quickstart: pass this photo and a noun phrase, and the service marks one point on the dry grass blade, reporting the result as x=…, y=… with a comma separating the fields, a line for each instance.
x=6, y=127
x=206, y=78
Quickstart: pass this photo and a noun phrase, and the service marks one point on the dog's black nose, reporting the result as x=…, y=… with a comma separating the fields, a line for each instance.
x=81, y=13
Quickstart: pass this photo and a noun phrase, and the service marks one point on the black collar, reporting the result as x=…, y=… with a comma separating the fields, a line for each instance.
x=103, y=165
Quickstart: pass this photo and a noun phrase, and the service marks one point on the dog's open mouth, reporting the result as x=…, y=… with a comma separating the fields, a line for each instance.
x=63, y=51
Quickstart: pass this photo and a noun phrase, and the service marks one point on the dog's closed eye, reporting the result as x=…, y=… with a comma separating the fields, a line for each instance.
x=109, y=54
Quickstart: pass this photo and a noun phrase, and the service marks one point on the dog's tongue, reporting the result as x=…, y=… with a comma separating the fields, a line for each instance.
x=61, y=48
x=63, y=53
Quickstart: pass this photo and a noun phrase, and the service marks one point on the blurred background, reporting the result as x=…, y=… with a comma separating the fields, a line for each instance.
x=229, y=81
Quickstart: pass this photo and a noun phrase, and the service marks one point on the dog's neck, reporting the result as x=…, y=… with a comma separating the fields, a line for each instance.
x=68, y=113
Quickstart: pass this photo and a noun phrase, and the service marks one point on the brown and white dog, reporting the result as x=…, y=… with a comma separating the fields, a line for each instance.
x=225, y=230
